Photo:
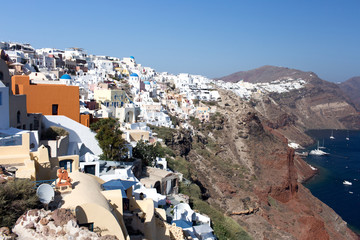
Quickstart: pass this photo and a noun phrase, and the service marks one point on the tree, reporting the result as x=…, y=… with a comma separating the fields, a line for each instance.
x=148, y=153
x=110, y=139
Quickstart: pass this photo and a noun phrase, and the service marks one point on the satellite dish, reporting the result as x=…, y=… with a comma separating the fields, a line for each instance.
x=46, y=193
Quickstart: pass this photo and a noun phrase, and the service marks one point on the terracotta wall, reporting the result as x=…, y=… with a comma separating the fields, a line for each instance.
x=41, y=97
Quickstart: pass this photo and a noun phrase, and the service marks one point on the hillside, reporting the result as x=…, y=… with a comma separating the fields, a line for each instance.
x=351, y=88
x=246, y=170
x=317, y=105
x=265, y=74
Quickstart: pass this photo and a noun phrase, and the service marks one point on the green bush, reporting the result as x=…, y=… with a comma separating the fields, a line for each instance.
x=195, y=122
x=16, y=197
x=163, y=132
x=179, y=164
x=147, y=152
x=224, y=226
x=53, y=132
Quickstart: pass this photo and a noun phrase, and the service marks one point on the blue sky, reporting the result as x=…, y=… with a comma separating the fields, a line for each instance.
x=212, y=38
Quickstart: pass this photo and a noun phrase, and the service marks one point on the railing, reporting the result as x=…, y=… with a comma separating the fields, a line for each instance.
x=51, y=182
x=13, y=140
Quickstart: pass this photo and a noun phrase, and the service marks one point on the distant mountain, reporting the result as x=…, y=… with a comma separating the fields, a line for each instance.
x=265, y=74
x=351, y=88
x=319, y=105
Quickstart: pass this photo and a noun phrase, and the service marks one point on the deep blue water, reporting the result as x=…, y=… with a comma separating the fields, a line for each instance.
x=343, y=163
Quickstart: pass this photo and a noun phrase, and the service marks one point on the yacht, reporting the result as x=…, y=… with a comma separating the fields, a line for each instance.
x=318, y=152
x=347, y=183
x=332, y=135
x=347, y=136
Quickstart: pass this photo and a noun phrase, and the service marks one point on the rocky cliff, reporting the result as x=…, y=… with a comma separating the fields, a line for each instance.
x=351, y=88
x=318, y=105
x=245, y=168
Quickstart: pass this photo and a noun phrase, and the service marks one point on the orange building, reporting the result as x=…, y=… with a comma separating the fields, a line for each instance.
x=49, y=99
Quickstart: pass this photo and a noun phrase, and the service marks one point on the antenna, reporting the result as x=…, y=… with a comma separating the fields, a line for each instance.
x=46, y=193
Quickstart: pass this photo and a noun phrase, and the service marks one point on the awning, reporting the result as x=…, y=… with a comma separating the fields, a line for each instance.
x=116, y=184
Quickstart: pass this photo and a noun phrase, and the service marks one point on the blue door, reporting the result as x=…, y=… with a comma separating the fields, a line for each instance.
x=66, y=164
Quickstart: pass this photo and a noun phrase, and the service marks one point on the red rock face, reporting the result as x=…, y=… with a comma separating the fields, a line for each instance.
x=254, y=167
x=312, y=228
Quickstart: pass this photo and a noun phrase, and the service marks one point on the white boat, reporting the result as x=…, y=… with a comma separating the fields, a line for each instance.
x=347, y=137
x=347, y=183
x=332, y=135
x=317, y=151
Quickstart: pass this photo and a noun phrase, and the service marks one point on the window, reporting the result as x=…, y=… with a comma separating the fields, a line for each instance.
x=18, y=115
x=90, y=169
x=55, y=108
x=17, y=89
x=1, y=76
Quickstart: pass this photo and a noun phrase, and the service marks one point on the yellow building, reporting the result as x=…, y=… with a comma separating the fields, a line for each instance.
x=103, y=211
x=35, y=165
x=111, y=97
x=203, y=113
x=136, y=135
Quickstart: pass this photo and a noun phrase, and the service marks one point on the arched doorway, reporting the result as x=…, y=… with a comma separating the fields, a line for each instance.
x=157, y=187
x=130, y=117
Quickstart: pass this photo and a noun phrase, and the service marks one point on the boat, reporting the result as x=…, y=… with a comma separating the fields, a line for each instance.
x=332, y=135
x=347, y=183
x=318, y=152
x=347, y=136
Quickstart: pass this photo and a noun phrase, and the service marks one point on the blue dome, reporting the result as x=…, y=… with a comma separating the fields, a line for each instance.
x=132, y=57
x=65, y=76
x=146, y=82
x=134, y=75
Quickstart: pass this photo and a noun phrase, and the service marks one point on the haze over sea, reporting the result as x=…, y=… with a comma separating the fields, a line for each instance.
x=342, y=163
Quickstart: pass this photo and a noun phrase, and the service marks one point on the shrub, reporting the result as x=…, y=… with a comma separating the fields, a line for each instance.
x=179, y=164
x=53, y=132
x=16, y=197
x=224, y=226
x=163, y=132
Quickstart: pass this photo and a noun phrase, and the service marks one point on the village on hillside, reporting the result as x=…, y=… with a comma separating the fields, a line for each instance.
x=55, y=106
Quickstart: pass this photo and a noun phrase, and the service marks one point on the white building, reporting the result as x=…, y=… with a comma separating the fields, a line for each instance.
x=4, y=106
x=78, y=134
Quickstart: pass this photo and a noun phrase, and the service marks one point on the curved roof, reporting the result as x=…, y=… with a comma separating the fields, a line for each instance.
x=146, y=82
x=65, y=76
x=132, y=57
x=134, y=75
x=87, y=190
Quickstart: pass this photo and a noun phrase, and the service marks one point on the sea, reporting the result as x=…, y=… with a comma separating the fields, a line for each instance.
x=341, y=164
